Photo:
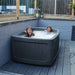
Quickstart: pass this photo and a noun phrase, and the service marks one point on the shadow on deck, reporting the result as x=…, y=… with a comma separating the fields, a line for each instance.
x=60, y=67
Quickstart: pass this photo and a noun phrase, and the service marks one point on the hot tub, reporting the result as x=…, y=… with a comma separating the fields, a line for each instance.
x=38, y=50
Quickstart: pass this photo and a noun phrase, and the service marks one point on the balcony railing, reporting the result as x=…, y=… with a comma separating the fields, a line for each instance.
x=56, y=8
x=16, y=9
x=19, y=9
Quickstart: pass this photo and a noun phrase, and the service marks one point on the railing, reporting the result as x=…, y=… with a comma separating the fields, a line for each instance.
x=16, y=9
x=7, y=9
x=19, y=9
x=26, y=8
x=56, y=8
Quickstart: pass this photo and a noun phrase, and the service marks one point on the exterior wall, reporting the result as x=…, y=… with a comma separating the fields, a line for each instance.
x=5, y=37
x=65, y=26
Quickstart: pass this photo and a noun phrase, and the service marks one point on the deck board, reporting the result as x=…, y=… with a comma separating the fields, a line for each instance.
x=60, y=60
x=37, y=71
x=72, y=57
x=52, y=70
x=66, y=66
x=44, y=71
x=60, y=67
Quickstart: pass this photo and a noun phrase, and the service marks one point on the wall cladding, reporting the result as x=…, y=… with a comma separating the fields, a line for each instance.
x=64, y=26
x=5, y=34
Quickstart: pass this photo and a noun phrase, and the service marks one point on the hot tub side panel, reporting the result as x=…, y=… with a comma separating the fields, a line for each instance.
x=54, y=44
x=31, y=51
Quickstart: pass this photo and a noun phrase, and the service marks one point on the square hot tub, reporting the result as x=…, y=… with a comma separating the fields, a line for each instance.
x=35, y=50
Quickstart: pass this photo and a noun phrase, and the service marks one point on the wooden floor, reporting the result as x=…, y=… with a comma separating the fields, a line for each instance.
x=72, y=57
x=60, y=67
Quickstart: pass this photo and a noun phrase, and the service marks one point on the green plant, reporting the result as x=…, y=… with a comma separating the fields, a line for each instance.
x=21, y=4
x=38, y=4
x=0, y=2
x=72, y=5
x=31, y=5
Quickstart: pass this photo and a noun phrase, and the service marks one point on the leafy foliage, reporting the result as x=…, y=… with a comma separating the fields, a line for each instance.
x=38, y=5
x=31, y=5
x=72, y=5
x=0, y=2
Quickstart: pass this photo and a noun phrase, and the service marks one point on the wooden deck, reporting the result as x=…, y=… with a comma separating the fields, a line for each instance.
x=72, y=57
x=60, y=67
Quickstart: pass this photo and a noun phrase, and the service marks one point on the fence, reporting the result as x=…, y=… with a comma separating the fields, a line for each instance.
x=18, y=9
x=56, y=8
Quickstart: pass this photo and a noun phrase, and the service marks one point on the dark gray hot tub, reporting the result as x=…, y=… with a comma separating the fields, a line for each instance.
x=36, y=51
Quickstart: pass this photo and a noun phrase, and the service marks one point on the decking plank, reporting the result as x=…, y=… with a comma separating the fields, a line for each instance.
x=15, y=68
x=72, y=57
x=52, y=69
x=30, y=70
x=60, y=60
x=66, y=67
x=60, y=67
x=44, y=71
x=9, y=70
x=37, y=71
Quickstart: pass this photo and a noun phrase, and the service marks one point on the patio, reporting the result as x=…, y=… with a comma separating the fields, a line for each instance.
x=60, y=67
x=17, y=15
